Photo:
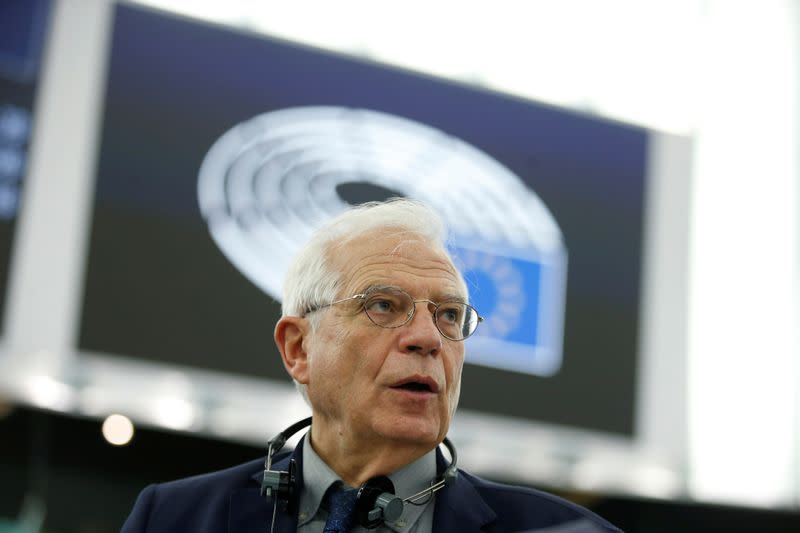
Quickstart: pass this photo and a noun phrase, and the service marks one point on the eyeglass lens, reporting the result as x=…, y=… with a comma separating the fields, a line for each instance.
x=391, y=308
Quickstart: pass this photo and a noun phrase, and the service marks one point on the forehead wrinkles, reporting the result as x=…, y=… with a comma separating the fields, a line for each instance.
x=386, y=269
x=415, y=259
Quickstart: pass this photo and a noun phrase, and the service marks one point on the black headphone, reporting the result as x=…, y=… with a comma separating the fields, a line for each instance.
x=376, y=502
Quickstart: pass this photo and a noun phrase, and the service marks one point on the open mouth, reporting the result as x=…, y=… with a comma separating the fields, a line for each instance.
x=415, y=386
x=418, y=384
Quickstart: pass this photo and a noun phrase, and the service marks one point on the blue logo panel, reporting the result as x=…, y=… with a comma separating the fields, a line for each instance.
x=520, y=295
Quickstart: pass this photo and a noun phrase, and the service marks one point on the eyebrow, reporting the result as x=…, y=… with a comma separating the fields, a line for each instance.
x=449, y=297
x=373, y=288
x=453, y=298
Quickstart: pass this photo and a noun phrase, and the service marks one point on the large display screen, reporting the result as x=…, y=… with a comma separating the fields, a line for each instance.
x=221, y=151
x=23, y=26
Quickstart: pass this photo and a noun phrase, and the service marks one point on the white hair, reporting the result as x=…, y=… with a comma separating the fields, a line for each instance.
x=312, y=281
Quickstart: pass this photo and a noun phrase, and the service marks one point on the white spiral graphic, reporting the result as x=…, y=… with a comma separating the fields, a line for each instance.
x=270, y=181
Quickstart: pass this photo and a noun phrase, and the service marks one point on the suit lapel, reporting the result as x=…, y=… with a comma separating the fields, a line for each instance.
x=251, y=512
x=459, y=507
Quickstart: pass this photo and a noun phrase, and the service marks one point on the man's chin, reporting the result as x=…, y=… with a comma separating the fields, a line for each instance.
x=413, y=431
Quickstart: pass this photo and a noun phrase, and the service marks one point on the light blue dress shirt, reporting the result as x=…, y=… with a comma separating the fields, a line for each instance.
x=409, y=480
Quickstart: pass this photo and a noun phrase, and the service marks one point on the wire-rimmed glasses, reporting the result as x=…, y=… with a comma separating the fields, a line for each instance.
x=392, y=307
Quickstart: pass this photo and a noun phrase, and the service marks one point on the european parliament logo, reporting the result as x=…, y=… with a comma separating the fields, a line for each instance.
x=520, y=294
x=269, y=182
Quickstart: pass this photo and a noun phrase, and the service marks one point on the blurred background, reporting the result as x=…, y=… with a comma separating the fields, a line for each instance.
x=649, y=369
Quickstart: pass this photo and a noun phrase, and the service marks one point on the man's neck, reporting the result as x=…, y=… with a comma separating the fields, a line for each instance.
x=357, y=460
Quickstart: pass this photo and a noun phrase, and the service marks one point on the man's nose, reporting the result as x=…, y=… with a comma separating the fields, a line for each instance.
x=421, y=335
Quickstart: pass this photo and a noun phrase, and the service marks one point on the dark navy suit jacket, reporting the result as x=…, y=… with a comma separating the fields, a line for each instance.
x=229, y=501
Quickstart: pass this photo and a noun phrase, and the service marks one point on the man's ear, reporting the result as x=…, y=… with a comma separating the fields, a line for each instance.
x=290, y=334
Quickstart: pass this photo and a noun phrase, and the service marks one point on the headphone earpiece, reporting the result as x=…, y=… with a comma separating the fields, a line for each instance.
x=376, y=503
x=281, y=485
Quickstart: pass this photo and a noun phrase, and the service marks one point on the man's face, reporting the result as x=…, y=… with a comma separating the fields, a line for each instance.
x=365, y=379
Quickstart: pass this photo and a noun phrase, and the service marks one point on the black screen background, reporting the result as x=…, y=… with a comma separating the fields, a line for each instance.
x=23, y=25
x=157, y=287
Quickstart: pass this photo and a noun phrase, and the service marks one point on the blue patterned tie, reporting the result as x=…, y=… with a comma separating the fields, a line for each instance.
x=341, y=503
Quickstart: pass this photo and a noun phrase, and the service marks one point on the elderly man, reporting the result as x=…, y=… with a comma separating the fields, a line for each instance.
x=374, y=319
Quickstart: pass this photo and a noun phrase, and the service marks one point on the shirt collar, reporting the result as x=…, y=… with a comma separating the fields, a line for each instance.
x=409, y=480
